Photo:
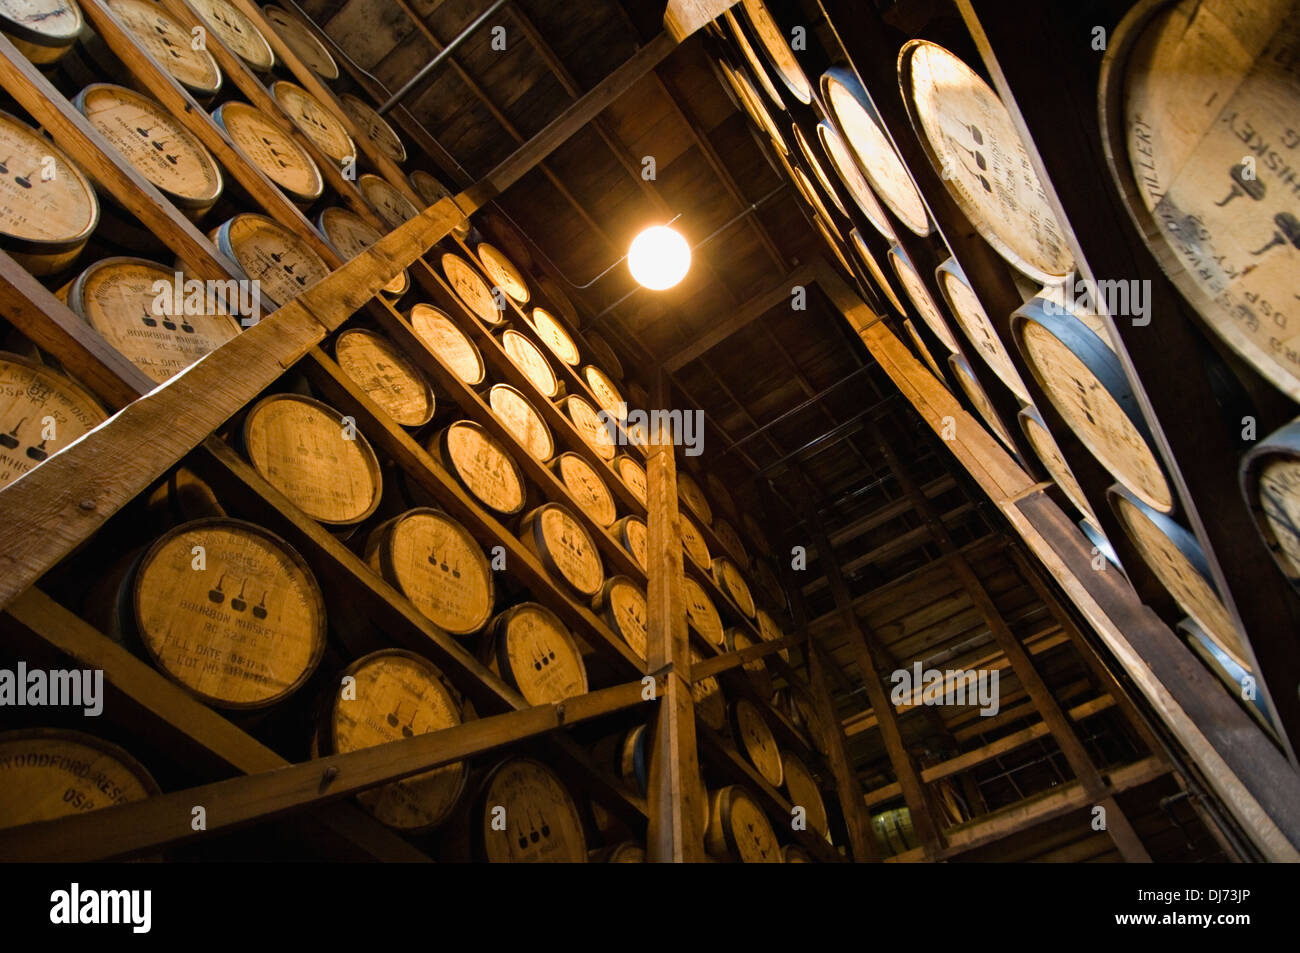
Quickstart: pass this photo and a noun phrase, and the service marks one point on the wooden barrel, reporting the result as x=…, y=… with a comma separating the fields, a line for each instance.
x=1198, y=101
x=983, y=405
x=167, y=154
x=349, y=235
x=731, y=541
x=974, y=321
x=315, y=120
x=500, y=231
x=846, y=169
x=501, y=271
x=757, y=741
x=428, y=188
x=877, y=273
x=1036, y=433
x=1175, y=558
x=555, y=296
x=376, y=128
x=118, y=298
x=47, y=773
x=302, y=42
x=556, y=336
x=969, y=135
x=237, y=32
x=397, y=694
x=525, y=355
x=756, y=534
x=702, y=614
x=471, y=289
x=434, y=561
x=769, y=631
x=228, y=610
x=809, y=193
x=633, y=474
x=1058, y=295
x=925, y=305
x=756, y=66
x=766, y=580
x=691, y=494
x=739, y=831
x=282, y=263
x=749, y=101
x=1100, y=544
x=805, y=718
x=604, y=354
x=833, y=242
x=732, y=583
x=170, y=44
x=589, y=425
x=720, y=495
x=776, y=47
x=1238, y=680
x=391, y=205
x=180, y=497
x=271, y=150
x=626, y=755
x=621, y=605
x=526, y=815
x=794, y=854
x=307, y=451
x=44, y=223
x=693, y=541
x=388, y=376
x=522, y=419
x=633, y=534
x=804, y=792
x=710, y=703
x=532, y=651
x=42, y=32
x=481, y=465
x=1270, y=480
x=586, y=487
x=608, y=397
x=448, y=343
x=1087, y=385
x=858, y=122
x=737, y=641
x=893, y=831
x=41, y=412
x=815, y=164
x=624, y=852
x=915, y=337
x=567, y=552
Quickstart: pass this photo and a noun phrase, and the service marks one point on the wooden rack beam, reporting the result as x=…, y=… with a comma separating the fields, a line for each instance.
x=164, y=820
x=1117, y=824
x=676, y=790
x=187, y=729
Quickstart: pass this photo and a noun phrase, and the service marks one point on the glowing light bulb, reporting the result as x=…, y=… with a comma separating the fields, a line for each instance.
x=659, y=258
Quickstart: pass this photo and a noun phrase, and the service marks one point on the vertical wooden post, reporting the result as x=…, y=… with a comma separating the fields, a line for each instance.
x=675, y=788
x=860, y=639
x=1117, y=824
x=847, y=784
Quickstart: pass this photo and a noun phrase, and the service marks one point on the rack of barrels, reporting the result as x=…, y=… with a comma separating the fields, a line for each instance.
x=1203, y=159
x=435, y=515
